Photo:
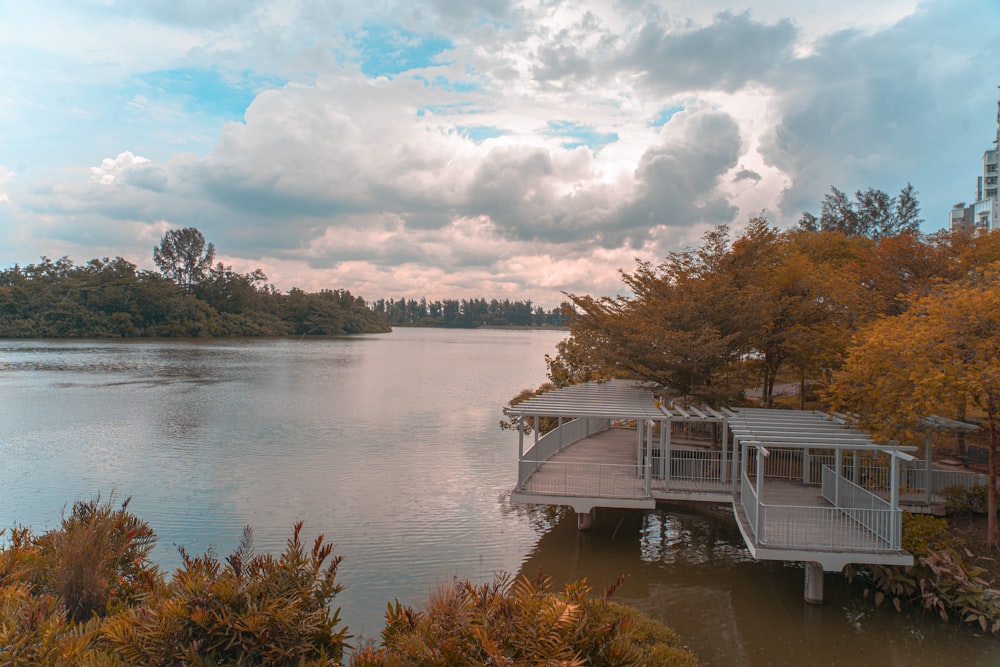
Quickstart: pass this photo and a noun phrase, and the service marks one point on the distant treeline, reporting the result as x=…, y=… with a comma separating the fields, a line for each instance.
x=111, y=298
x=466, y=313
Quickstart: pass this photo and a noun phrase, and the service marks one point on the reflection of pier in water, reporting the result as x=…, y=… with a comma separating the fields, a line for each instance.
x=686, y=565
x=803, y=486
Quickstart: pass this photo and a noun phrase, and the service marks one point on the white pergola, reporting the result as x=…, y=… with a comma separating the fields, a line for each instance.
x=773, y=530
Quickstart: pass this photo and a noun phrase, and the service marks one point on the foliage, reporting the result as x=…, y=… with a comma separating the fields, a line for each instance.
x=254, y=610
x=939, y=356
x=87, y=594
x=940, y=581
x=966, y=500
x=95, y=563
x=466, y=313
x=521, y=622
x=110, y=298
x=35, y=630
x=873, y=213
x=183, y=257
x=712, y=321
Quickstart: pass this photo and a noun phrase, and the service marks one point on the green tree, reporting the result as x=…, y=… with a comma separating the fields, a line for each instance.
x=872, y=213
x=184, y=257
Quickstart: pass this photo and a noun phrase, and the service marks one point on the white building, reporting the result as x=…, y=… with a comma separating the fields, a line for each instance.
x=984, y=213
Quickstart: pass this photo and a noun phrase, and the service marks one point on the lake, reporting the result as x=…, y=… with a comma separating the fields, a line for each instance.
x=390, y=446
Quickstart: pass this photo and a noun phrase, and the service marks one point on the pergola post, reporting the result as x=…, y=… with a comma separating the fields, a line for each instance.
x=649, y=459
x=723, y=472
x=894, y=498
x=638, y=444
x=927, y=468
x=559, y=429
x=761, y=453
x=836, y=477
x=520, y=438
x=520, y=452
x=739, y=456
x=666, y=457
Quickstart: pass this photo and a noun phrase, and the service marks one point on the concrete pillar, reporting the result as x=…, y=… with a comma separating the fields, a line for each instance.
x=814, y=583
x=584, y=520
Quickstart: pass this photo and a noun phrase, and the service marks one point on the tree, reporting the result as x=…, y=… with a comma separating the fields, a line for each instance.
x=940, y=355
x=183, y=257
x=872, y=213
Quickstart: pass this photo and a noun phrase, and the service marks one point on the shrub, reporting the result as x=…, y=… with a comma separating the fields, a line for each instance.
x=967, y=500
x=939, y=581
x=95, y=562
x=86, y=594
x=521, y=622
x=253, y=610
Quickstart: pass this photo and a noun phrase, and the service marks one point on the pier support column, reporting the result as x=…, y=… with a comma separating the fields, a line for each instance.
x=814, y=583
x=584, y=520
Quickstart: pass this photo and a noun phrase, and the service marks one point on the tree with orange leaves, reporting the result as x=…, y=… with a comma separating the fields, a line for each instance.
x=941, y=354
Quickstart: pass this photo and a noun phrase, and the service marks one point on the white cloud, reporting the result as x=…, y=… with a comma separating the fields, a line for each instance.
x=113, y=169
x=334, y=179
x=6, y=178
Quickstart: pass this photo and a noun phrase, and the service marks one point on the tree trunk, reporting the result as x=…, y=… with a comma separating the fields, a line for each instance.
x=802, y=391
x=960, y=435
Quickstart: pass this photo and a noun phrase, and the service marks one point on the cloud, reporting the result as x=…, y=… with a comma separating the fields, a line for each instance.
x=112, y=169
x=188, y=13
x=679, y=182
x=872, y=109
x=6, y=178
x=529, y=147
x=731, y=52
x=747, y=175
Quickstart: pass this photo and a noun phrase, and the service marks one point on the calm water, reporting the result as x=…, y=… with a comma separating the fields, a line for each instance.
x=389, y=445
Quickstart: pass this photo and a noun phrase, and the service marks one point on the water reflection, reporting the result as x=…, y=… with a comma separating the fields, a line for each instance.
x=688, y=567
x=386, y=444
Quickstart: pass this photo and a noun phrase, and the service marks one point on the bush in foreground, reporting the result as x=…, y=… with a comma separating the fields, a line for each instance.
x=519, y=623
x=86, y=594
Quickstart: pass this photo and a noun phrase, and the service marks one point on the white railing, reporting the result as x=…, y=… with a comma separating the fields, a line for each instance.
x=861, y=522
x=698, y=470
x=864, y=507
x=751, y=505
x=788, y=464
x=552, y=442
x=589, y=480
x=913, y=478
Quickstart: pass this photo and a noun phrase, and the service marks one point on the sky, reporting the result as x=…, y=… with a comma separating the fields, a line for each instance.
x=455, y=149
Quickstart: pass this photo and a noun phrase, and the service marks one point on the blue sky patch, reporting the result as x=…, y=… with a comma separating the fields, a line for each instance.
x=388, y=50
x=480, y=133
x=577, y=135
x=665, y=115
x=449, y=109
x=209, y=91
x=450, y=85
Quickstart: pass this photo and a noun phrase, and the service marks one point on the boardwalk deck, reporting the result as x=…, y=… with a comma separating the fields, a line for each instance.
x=603, y=470
x=844, y=518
